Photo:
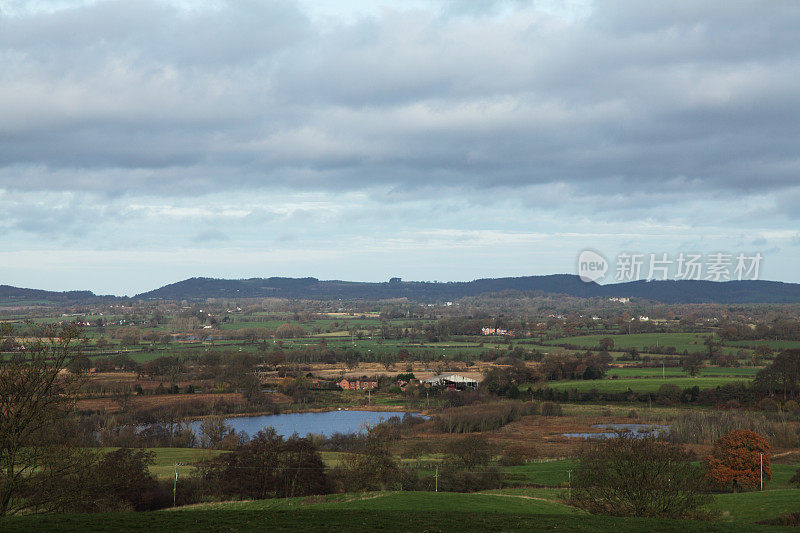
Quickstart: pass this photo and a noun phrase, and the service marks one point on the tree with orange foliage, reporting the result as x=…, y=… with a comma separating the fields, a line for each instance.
x=735, y=460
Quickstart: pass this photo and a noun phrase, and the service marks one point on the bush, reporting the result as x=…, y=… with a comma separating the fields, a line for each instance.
x=469, y=452
x=702, y=427
x=768, y=404
x=515, y=456
x=551, y=409
x=788, y=519
x=372, y=468
x=795, y=479
x=289, y=331
x=484, y=417
x=80, y=364
x=124, y=477
x=669, y=394
x=455, y=480
x=267, y=467
x=638, y=477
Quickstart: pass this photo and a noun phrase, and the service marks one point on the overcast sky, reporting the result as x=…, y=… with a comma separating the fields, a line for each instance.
x=144, y=142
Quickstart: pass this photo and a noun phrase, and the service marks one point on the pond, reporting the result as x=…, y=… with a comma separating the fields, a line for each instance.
x=325, y=423
x=632, y=430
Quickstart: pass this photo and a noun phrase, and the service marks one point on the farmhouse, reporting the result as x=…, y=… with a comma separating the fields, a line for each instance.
x=450, y=381
x=349, y=384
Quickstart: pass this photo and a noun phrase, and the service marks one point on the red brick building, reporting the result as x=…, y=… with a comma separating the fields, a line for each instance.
x=357, y=384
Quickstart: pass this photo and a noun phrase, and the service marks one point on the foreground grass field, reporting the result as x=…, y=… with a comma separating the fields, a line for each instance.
x=752, y=506
x=385, y=511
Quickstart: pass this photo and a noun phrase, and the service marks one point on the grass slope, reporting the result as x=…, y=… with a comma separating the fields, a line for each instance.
x=413, y=511
x=753, y=506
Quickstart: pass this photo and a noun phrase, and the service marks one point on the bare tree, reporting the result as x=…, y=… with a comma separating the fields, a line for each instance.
x=35, y=395
x=213, y=431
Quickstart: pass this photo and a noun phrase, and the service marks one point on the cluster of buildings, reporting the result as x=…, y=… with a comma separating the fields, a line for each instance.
x=357, y=384
x=494, y=331
x=445, y=381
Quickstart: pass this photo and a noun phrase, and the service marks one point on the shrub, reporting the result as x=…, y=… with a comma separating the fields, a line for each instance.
x=669, y=394
x=455, y=480
x=372, y=468
x=289, y=331
x=551, y=409
x=268, y=466
x=703, y=427
x=124, y=478
x=795, y=479
x=515, y=456
x=638, y=477
x=484, y=417
x=768, y=404
x=469, y=451
x=80, y=364
x=788, y=519
x=735, y=460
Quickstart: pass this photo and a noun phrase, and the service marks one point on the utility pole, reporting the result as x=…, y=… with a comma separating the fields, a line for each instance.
x=369, y=397
x=436, y=477
x=175, y=484
x=761, y=468
x=662, y=370
x=569, y=485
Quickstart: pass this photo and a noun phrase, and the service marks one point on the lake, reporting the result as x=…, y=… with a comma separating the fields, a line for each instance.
x=325, y=423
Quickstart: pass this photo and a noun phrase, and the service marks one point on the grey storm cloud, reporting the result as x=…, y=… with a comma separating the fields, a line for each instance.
x=142, y=97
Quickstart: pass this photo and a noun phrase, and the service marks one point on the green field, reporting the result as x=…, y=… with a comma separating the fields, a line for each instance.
x=754, y=506
x=775, y=345
x=547, y=473
x=641, y=384
x=708, y=371
x=689, y=342
x=404, y=511
x=166, y=458
x=781, y=473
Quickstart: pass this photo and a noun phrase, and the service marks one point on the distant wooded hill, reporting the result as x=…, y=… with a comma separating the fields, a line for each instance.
x=686, y=291
x=10, y=295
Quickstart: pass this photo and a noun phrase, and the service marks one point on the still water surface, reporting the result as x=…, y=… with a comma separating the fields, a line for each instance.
x=326, y=423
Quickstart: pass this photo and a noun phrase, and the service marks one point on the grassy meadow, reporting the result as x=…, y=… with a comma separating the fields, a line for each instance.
x=409, y=511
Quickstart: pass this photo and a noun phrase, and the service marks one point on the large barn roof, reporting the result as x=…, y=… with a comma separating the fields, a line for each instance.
x=452, y=378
